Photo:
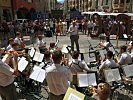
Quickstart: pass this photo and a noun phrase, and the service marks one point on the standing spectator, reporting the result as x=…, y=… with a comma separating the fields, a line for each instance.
x=51, y=24
x=74, y=36
x=64, y=27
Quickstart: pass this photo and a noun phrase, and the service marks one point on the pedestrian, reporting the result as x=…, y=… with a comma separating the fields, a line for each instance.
x=74, y=36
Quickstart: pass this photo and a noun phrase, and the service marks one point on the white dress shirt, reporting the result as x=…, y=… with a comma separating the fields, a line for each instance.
x=6, y=74
x=125, y=58
x=57, y=77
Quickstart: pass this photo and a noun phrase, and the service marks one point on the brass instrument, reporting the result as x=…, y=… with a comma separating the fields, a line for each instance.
x=91, y=88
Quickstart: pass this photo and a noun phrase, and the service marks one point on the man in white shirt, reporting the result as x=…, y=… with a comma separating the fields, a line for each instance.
x=57, y=77
x=7, y=88
x=108, y=63
x=73, y=29
x=19, y=40
x=125, y=56
x=77, y=65
x=41, y=44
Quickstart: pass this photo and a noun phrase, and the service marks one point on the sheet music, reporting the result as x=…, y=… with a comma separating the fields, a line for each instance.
x=109, y=75
x=35, y=72
x=32, y=51
x=22, y=64
x=41, y=76
x=125, y=36
x=112, y=75
x=38, y=74
x=83, y=80
x=92, y=79
x=73, y=97
x=38, y=57
x=116, y=74
x=128, y=69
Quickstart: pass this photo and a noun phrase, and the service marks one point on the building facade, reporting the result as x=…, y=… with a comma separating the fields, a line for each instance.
x=23, y=7
x=5, y=10
x=100, y=5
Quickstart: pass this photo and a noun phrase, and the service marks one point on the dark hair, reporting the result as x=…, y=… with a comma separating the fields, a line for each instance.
x=47, y=54
x=9, y=40
x=107, y=39
x=18, y=33
x=124, y=48
x=110, y=54
x=57, y=54
x=75, y=54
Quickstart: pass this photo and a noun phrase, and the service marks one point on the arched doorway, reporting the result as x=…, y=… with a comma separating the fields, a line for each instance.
x=22, y=13
x=6, y=15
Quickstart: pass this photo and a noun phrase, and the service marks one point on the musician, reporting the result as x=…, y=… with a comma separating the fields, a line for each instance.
x=7, y=88
x=77, y=65
x=19, y=40
x=108, y=63
x=105, y=44
x=125, y=56
x=57, y=77
x=74, y=37
x=47, y=60
x=130, y=48
x=10, y=42
x=52, y=47
x=41, y=44
x=102, y=92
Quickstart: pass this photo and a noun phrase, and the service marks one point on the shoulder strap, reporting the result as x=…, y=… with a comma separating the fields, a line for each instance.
x=76, y=64
x=45, y=65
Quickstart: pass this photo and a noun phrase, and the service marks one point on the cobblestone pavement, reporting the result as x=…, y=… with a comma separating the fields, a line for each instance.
x=84, y=45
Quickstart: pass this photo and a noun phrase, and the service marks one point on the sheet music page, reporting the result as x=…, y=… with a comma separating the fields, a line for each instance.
x=89, y=59
x=116, y=74
x=35, y=72
x=128, y=69
x=112, y=49
x=125, y=36
x=109, y=75
x=38, y=57
x=32, y=51
x=41, y=76
x=92, y=79
x=22, y=64
x=73, y=97
x=83, y=80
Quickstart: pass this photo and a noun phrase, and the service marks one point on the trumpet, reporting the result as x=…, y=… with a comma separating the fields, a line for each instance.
x=91, y=88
